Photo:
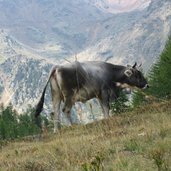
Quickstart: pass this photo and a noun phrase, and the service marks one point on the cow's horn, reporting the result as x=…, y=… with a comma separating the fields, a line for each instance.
x=134, y=65
x=140, y=65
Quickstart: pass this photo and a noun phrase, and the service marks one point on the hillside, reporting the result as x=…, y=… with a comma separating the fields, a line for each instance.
x=43, y=33
x=138, y=140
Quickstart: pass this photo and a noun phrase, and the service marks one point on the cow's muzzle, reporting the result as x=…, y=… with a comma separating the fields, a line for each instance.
x=146, y=86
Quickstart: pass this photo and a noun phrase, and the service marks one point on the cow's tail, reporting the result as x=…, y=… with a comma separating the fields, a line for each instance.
x=39, y=106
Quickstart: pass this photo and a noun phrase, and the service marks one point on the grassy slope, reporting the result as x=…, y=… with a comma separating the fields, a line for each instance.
x=139, y=140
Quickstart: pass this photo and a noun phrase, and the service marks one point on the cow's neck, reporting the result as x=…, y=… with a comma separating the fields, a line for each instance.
x=118, y=73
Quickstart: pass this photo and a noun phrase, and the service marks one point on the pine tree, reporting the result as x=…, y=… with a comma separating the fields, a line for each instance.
x=159, y=78
x=8, y=123
x=160, y=74
x=13, y=125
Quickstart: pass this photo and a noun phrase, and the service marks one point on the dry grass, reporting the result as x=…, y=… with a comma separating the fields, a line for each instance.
x=139, y=140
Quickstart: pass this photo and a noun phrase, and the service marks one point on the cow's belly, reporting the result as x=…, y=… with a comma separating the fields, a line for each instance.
x=84, y=94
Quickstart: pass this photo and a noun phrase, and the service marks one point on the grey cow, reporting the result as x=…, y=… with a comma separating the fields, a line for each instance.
x=81, y=81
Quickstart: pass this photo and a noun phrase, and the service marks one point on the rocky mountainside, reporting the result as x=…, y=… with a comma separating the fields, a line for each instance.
x=120, y=6
x=54, y=28
x=22, y=72
x=43, y=32
x=134, y=36
x=24, y=79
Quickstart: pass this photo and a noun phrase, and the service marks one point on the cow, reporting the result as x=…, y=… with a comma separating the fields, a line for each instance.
x=81, y=81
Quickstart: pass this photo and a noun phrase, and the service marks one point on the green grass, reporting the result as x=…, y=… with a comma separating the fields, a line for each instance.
x=134, y=141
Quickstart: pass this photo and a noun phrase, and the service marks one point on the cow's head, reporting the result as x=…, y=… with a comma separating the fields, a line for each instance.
x=134, y=77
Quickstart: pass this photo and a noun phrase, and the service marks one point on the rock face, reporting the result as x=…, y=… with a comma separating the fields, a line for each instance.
x=120, y=6
x=24, y=80
x=44, y=32
x=134, y=36
x=55, y=28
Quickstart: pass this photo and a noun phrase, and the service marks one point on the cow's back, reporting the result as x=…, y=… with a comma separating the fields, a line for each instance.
x=97, y=71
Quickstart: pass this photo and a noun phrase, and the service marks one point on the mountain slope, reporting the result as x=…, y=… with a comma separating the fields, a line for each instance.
x=42, y=33
x=120, y=6
x=138, y=140
x=136, y=36
x=41, y=24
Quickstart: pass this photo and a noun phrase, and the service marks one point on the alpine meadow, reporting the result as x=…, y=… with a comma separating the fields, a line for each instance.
x=64, y=64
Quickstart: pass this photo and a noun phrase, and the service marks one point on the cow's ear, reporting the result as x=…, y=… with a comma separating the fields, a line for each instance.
x=128, y=72
x=129, y=66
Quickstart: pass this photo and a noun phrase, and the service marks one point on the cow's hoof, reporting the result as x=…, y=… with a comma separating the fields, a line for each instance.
x=67, y=111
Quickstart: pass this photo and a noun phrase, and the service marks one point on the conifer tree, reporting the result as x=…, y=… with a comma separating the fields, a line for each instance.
x=13, y=125
x=159, y=78
x=160, y=74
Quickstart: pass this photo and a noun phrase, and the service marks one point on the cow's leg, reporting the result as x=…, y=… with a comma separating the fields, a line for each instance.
x=56, y=101
x=104, y=101
x=112, y=96
x=67, y=107
x=56, y=107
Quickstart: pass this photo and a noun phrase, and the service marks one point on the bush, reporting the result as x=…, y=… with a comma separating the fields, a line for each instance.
x=120, y=105
x=138, y=99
